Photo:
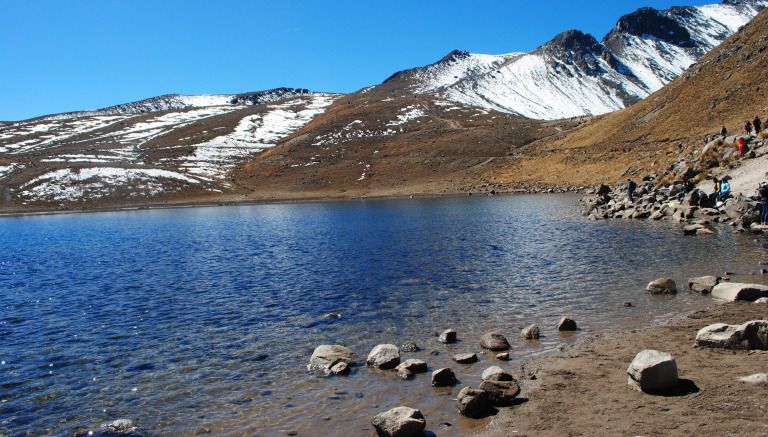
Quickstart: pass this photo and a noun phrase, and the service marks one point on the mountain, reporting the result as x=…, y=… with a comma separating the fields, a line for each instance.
x=574, y=74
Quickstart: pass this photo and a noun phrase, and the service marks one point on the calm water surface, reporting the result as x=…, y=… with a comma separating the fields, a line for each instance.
x=194, y=320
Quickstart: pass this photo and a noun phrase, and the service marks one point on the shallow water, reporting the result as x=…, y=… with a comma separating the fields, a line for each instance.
x=203, y=319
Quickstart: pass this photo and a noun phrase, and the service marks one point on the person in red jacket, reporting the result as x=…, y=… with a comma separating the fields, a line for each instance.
x=742, y=146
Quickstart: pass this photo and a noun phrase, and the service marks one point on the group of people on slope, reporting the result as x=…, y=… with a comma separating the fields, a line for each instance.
x=753, y=127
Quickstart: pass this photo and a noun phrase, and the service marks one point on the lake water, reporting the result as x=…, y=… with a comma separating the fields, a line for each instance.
x=203, y=320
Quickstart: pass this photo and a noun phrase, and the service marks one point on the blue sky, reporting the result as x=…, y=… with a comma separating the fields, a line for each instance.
x=58, y=56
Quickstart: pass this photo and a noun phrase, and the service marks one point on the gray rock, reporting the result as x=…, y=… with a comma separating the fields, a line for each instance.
x=703, y=284
x=326, y=356
x=652, y=371
x=118, y=427
x=443, y=377
x=762, y=300
x=496, y=373
x=340, y=368
x=409, y=346
x=756, y=379
x=465, y=358
x=733, y=291
x=473, y=403
x=566, y=324
x=400, y=422
x=504, y=356
x=500, y=393
x=531, y=332
x=384, y=356
x=494, y=341
x=413, y=365
x=403, y=373
x=662, y=286
x=750, y=335
x=447, y=336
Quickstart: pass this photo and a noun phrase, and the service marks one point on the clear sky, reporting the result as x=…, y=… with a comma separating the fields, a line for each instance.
x=58, y=56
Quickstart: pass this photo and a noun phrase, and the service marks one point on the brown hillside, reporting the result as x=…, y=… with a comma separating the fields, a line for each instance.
x=725, y=88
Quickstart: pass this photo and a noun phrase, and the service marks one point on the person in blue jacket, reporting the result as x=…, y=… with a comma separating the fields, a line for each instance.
x=725, y=189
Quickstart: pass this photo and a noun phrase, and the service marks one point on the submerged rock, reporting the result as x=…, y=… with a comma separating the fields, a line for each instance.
x=653, y=371
x=409, y=346
x=120, y=427
x=447, y=336
x=400, y=422
x=326, y=356
x=465, y=358
x=531, y=332
x=662, y=286
x=703, y=284
x=384, y=356
x=494, y=341
x=733, y=291
x=443, y=377
x=566, y=324
x=750, y=335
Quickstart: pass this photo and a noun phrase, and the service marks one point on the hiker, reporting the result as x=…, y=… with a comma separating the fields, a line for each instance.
x=748, y=127
x=725, y=190
x=631, y=186
x=742, y=146
x=723, y=132
x=713, y=197
x=757, y=124
x=762, y=193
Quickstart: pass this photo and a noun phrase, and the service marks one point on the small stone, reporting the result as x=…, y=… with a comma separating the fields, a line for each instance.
x=340, y=368
x=413, y=365
x=384, y=356
x=662, y=286
x=403, y=373
x=627, y=304
x=494, y=341
x=496, y=373
x=756, y=379
x=504, y=356
x=566, y=324
x=326, y=356
x=652, y=371
x=703, y=284
x=443, y=377
x=119, y=426
x=400, y=422
x=447, y=336
x=465, y=358
x=530, y=332
x=409, y=346
x=473, y=403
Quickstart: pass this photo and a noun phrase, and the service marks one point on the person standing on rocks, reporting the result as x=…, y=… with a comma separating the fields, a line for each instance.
x=762, y=193
x=757, y=124
x=748, y=127
x=713, y=197
x=631, y=187
x=742, y=146
x=723, y=132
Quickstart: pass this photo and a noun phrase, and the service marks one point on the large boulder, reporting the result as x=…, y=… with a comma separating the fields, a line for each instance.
x=472, y=402
x=662, y=286
x=531, y=332
x=400, y=422
x=327, y=356
x=653, y=371
x=749, y=336
x=703, y=284
x=496, y=373
x=443, y=377
x=384, y=356
x=500, y=393
x=733, y=291
x=494, y=341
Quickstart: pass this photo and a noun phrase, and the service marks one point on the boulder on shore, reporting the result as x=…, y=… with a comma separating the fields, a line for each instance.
x=703, y=284
x=494, y=341
x=447, y=336
x=473, y=403
x=496, y=373
x=500, y=393
x=443, y=377
x=327, y=356
x=733, y=291
x=384, y=356
x=531, y=332
x=400, y=422
x=662, y=286
x=749, y=336
x=566, y=324
x=652, y=371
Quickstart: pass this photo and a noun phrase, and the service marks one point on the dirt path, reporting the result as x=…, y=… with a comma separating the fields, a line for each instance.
x=583, y=391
